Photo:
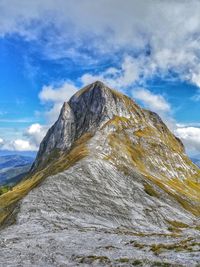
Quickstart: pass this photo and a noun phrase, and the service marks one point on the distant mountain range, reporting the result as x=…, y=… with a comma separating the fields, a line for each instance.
x=196, y=160
x=31, y=154
x=13, y=167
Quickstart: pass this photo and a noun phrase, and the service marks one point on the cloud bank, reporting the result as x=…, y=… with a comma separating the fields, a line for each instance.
x=191, y=138
x=152, y=101
x=162, y=36
x=33, y=135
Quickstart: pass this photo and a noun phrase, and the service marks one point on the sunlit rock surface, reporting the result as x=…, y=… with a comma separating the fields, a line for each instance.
x=132, y=199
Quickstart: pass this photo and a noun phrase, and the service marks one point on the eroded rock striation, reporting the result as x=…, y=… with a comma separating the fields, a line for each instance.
x=111, y=186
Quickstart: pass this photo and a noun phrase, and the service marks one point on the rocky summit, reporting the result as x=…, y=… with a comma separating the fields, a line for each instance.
x=111, y=186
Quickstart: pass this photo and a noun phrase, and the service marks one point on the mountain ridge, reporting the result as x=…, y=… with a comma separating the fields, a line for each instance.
x=85, y=111
x=106, y=166
x=99, y=108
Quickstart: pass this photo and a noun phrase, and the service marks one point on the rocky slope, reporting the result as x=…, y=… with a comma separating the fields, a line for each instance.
x=112, y=187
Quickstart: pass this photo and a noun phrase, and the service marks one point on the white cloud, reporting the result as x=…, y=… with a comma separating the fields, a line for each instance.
x=30, y=140
x=124, y=76
x=190, y=137
x=154, y=102
x=53, y=113
x=195, y=78
x=56, y=96
x=165, y=33
x=19, y=145
x=182, y=125
x=1, y=142
x=130, y=71
x=36, y=133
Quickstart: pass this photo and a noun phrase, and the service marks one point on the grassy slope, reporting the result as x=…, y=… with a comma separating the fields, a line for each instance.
x=185, y=191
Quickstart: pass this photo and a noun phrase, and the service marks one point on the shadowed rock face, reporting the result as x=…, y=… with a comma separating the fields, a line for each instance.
x=60, y=136
x=96, y=104
x=119, y=178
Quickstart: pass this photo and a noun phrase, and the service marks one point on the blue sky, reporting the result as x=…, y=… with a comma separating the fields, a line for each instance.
x=48, y=50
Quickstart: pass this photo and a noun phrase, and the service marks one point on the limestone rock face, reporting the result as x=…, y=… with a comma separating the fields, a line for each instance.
x=111, y=186
x=59, y=137
x=95, y=104
x=86, y=111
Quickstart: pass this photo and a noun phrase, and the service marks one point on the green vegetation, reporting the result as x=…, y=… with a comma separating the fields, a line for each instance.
x=177, y=224
x=197, y=227
x=161, y=264
x=123, y=260
x=185, y=192
x=137, y=245
x=4, y=189
x=183, y=245
x=92, y=258
x=137, y=262
x=130, y=261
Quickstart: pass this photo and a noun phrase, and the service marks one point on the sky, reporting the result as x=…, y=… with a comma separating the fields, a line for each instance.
x=149, y=50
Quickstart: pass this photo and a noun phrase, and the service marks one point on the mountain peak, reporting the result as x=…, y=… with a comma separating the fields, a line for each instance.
x=99, y=83
x=105, y=164
x=97, y=88
x=97, y=107
x=86, y=111
x=90, y=88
